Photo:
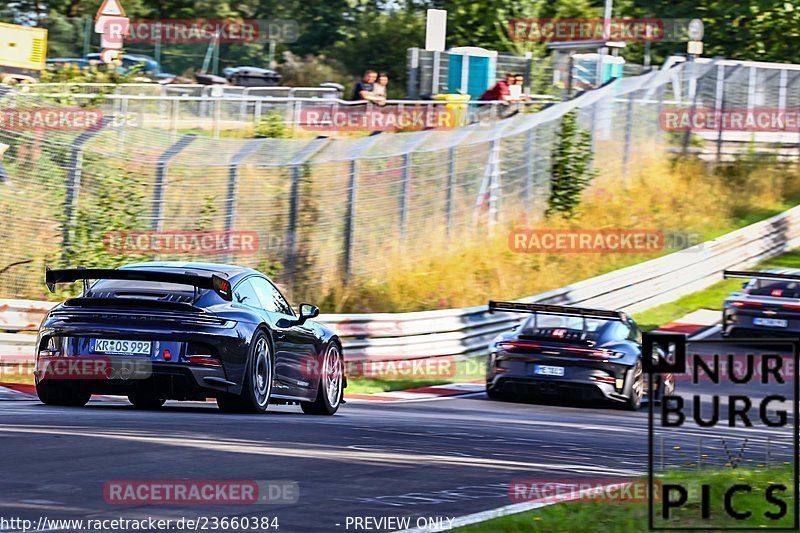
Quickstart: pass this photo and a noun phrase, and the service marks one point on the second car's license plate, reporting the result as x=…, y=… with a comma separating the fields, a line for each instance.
x=544, y=370
x=119, y=347
x=771, y=322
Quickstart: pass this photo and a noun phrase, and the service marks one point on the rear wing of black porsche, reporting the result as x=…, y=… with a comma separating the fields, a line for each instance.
x=68, y=275
x=549, y=309
x=767, y=276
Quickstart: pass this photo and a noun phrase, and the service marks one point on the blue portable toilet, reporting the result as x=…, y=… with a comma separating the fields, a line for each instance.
x=585, y=68
x=472, y=70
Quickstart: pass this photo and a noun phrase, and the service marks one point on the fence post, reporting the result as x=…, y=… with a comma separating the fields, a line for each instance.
x=494, y=186
x=693, y=92
x=161, y=175
x=626, y=155
x=451, y=185
x=404, y=193
x=233, y=185
x=294, y=204
x=74, y=183
x=349, y=221
x=173, y=125
x=719, y=105
x=217, y=116
x=530, y=141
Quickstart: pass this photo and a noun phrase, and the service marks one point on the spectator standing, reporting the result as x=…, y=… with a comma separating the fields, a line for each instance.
x=365, y=87
x=501, y=90
x=379, y=90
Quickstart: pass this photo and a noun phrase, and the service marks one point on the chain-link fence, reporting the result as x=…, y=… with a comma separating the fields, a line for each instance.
x=323, y=210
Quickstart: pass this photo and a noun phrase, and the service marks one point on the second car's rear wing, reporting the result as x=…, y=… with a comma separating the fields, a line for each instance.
x=562, y=310
x=67, y=275
x=768, y=276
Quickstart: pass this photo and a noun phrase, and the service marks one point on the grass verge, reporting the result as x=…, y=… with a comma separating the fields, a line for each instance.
x=710, y=298
x=589, y=516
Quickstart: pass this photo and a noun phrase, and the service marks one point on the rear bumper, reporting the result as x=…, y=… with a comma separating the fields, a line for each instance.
x=582, y=380
x=739, y=321
x=167, y=381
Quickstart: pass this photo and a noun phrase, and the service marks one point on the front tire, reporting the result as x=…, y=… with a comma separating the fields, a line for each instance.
x=257, y=386
x=61, y=393
x=330, y=390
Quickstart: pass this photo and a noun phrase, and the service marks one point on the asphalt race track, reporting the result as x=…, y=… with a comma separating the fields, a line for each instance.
x=439, y=459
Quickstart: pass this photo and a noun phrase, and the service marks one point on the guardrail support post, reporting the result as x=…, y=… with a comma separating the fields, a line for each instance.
x=74, y=183
x=349, y=221
x=161, y=176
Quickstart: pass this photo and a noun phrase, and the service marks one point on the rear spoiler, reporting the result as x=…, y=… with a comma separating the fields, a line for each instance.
x=67, y=275
x=555, y=310
x=760, y=275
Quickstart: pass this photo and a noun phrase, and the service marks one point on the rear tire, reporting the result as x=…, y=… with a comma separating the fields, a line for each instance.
x=257, y=383
x=330, y=390
x=146, y=402
x=494, y=394
x=636, y=393
x=62, y=393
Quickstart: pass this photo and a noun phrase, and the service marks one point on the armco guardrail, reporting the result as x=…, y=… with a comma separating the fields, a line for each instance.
x=464, y=332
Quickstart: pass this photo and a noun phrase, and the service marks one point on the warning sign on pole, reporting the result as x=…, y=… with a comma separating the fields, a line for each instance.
x=112, y=25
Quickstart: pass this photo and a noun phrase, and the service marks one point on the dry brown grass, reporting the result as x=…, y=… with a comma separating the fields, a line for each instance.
x=664, y=195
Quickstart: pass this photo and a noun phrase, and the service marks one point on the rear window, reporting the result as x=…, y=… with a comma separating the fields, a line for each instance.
x=784, y=289
x=111, y=288
x=541, y=325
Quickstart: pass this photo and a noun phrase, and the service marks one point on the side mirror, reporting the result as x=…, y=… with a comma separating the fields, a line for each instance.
x=308, y=311
x=744, y=285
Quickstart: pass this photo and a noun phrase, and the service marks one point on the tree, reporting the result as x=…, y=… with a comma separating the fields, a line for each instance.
x=571, y=168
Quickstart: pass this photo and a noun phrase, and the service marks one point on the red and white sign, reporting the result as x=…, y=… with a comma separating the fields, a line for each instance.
x=112, y=25
x=110, y=8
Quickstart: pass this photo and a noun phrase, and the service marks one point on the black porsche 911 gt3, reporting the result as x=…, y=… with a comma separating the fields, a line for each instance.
x=186, y=331
x=767, y=305
x=577, y=353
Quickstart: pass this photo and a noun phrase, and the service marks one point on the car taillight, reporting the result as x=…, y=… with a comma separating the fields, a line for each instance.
x=517, y=346
x=739, y=303
x=200, y=353
x=54, y=347
x=203, y=360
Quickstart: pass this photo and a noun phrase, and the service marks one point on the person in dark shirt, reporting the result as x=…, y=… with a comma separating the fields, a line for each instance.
x=363, y=90
x=500, y=91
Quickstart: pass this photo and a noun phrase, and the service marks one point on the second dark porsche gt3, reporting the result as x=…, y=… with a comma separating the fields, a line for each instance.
x=572, y=352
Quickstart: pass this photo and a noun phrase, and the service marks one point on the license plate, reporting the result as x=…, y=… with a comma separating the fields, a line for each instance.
x=120, y=347
x=771, y=322
x=544, y=370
